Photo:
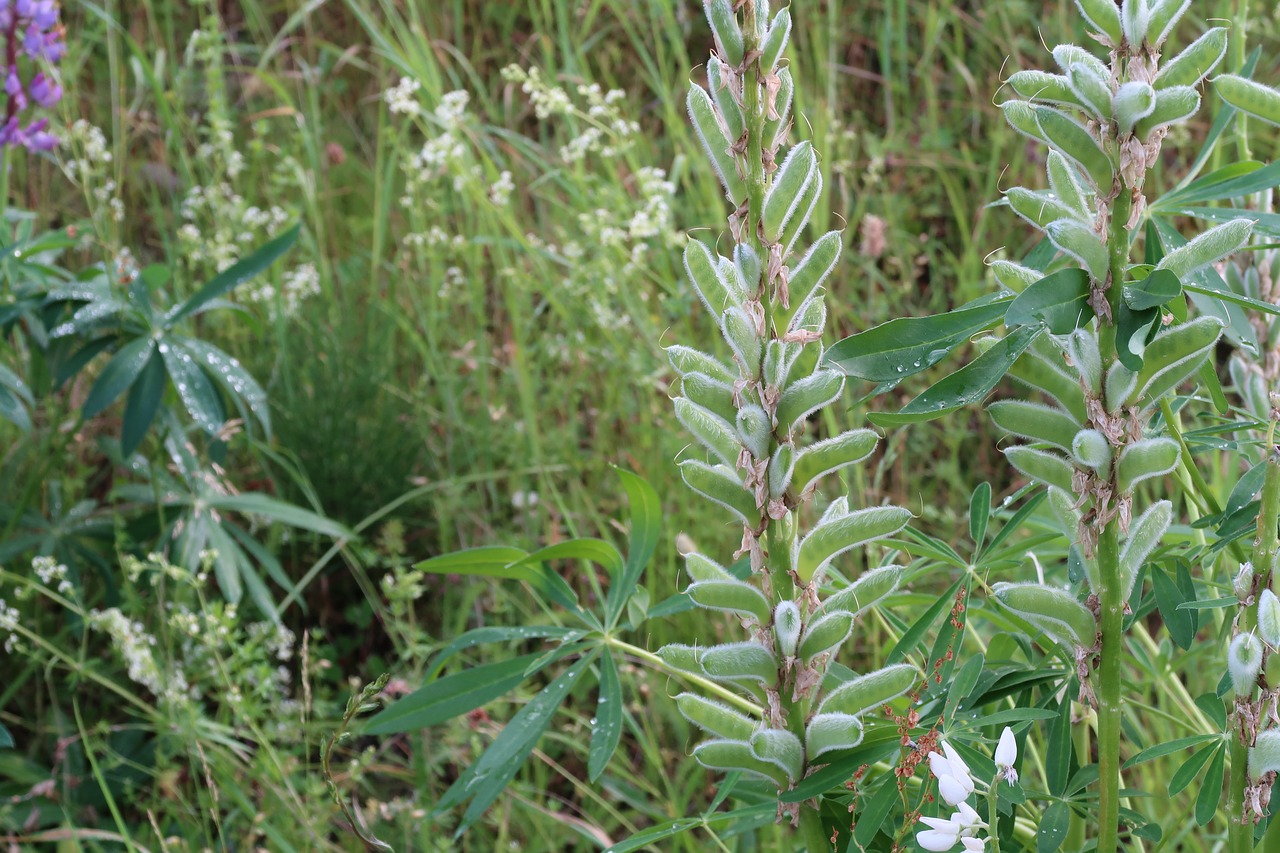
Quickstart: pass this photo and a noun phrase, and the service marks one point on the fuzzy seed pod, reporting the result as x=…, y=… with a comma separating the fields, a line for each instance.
x=1244, y=662
x=1091, y=449
x=786, y=627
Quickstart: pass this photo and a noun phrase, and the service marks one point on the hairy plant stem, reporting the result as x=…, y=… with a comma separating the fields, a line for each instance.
x=1112, y=624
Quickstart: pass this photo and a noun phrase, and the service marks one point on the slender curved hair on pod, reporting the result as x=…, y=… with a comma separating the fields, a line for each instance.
x=749, y=408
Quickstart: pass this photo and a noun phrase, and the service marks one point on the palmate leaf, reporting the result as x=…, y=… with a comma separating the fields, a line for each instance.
x=646, y=526
x=119, y=374
x=230, y=375
x=142, y=404
x=196, y=391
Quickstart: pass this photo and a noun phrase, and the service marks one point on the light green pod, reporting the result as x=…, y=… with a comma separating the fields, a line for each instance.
x=808, y=202
x=806, y=396
x=1022, y=118
x=1054, y=611
x=784, y=198
x=1144, y=537
x=715, y=141
x=1038, y=208
x=715, y=718
x=1016, y=277
x=808, y=276
x=702, y=568
x=786, y=627
x=1135, y=16
x=1077, y=144
x=870, y=691
x=721, y=485
x=825, y=634
x=1164, y=16
x=1173, y=357
x=716, y=291
x=1244, y=663
x=780, y=748
x=1173, y=104
x=680, y=656
x=731, y=596
x=1269, y=618
x=834, y=536
x=725, y=754
x=1091, y=90
x=781, y=467
x=1105, y=18
x=1064, y=181
x=725, y=29
x=1208, y=248
x=712, y=394
x=1253, y=98
x=1067, y=55
x=711, y=431
x=775, y=41
x=1035, y=421
x=1264, y=755
x=1082, y=243
x=1190, y=66
x=831, y=732
x=739, y=332
x=1091, y=450
x=1142, y=460
x=1042, y=86
x=1041, y=466
x=775, y=130
x=686, y=360
x=818, y=460
x=864, y=592
x=1133, y=102
x=754, y=428
x=745, y=661
x=1062, y=388
x=730, y=112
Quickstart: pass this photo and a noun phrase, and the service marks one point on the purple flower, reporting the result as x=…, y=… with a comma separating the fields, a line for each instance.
x=44, y=91
x=32, y=31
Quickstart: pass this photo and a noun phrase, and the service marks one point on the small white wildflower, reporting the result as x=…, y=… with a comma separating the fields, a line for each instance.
x=501, y=189
x=524, y=500
x=402, y=99
x=1006, y=756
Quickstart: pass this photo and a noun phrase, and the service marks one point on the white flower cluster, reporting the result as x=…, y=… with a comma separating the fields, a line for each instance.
x=9, y=618
x=221, y=225
x=955, y=785
x=89, y=163
x=607, y=132
x=445, y=153
x=134, y=646
x=52, y=574
x=297, y=285
x=402, y=98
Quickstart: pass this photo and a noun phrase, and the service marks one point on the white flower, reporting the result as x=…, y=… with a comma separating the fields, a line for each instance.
x=954, y=781
x=1006, y=756
x=974, y=845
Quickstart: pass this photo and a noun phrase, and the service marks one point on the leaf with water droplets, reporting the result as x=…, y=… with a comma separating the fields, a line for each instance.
x=228, y=373
x=141, y=406
x=118, y=375
x=194, y=388
x=606, y=729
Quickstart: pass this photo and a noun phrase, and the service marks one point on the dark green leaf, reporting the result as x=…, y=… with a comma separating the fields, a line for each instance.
x=1210, y=603
x=119, y=374
x=1213, y=708
x=913, y=636
x=1053, y=827
x=979, y=514
x=6, y=739
x=1153, y=291
x=1230, y=182
x=969, y=384
x=236, y=274
x=1211, y=791
x=606, y=729
x=646, y=526
x=752, y=816
x=229, y=373
x=141, y=405
x=277, y=510
x=1168, y=598
x=1160, y=750
x=966, y=678
x=1190, y=768
x=498, y=634
x=1134, y=330
x=874, y=814
x=195, y=390
x=1060, y=301
x=11, y=409
x=1246, y=488
x=1058, y=751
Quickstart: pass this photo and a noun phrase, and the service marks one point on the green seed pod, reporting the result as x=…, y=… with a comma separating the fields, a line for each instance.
x=775, y=130
x=711, y=394
x=1120, y=385
x=1065, y=183
x=1077, y=144
x=686, y=360
x=1091, y=449
x=1081, y=347
x=786, y=627
x=1173, y=104
x=724, y=754
x=745, y=661
x=1144, y=537
x=1038, y=208
x=1165, y=15
x=808, y=202
x=716, y=291
x=732, y=596
x=1016, y=277
x=1135, y=16
x=681, y=657
x=1264, y=755
x=715, y=141
x=806, y=278
x=754, y=429
x=1269, y=618
x=1043, y=86
x=739, y=331
x=1190, y=66
x=1134, y=100
x=1041, y=466
x=715, y=718
x=866, y=590
x=783, y=200
x=1142, y=460
x=818, y=460
x=723, y=97
x=1173, y=357
x=1208, y=248
x=1067, y=55
x=831, y=732
x=780, y=748
x=725, y=29
x=775, y=42
x=1244, y=662
x=866, y=692
x=779, y=358
x=747, y=260
x=825, y=634
x=702, y=568
x=1022, y=118
x=807, y=396
x=710, y=430
x=812, y=316
x=1090, y=89
x=1082, y=243
x=1049, y=379
x=781, y=467
x=834, y=536
x=1253, y=98
x=1054, y=611
x=1105, y=18
x=721, y=485
x=1035, y=421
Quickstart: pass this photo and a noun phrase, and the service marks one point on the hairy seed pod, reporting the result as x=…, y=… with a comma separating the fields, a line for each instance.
x=1041, y=466
x=717, y=291
x=1065, y=183
x=831, y=732
x=1067, y=55
x=680, y=656
x=868, y=589
x=870, y=691
x=786, y=627
x=1038, y=208
x=1021, y=116
x=1264, y=755
x=807, y=396
x=1054, y=611
x=1035, y=421
x=722, y=95
x=1164, y=16
x=746, y=661
x=1119, y=386
x=1015, y=277
x=809, y=275
x=834, y=536
x=1081, y=347
x=783, y=199
x=1133, y=101
x=1253, y=98
x=1092, y=90
x=1077, y=144
x=715, y=142
x=754, y=428
x=1190, y=66
x=1208, y=248
x=712, y=394
x=715, y=718
x=1042, y=86
x=747, y=260
x=1244, y=662
x=1105, y=18
x=1091, y=450
x=775, y=42
x=1144, y=537
x=781, y=466
x=686, y=360
x=779, y=357
x=1173, y=357
x=811, y=318
x=1174, y=104
x=731, y=596
x=725, y=29
x=729, y=755
x=825, y=634
x=1135, y=15
x=702, y=568
x=1269, y=618
x=808, y=202
x=711, y=431
x=1046, y=377
x=775, y=130
x=1082, y=243
x=720, y=484
x=1142, y=460
x=824, y=457
x=781, y=748
x=739, y=331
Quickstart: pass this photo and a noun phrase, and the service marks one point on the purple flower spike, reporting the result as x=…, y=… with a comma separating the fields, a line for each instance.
x=44, y=91
x=31, y=31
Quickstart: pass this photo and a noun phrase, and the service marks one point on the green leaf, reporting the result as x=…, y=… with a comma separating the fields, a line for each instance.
x=969, y=384
x=875, y=813
x=646, y=527
x=1190, y=768
x=592, y=550
x=915, y=634
x=256, y=503
x=119, y=374
x=749, y=818
x=1209, y=603
x=1155, y=290
x=195, y=390
x=1053, y=827
x=484, y=781
x=229, y=374
x=1176, y=619
x=1058, y=751
x=497, y=634
x=1211, y=791
x=1230, y=182
x=142, y=404
x=979, y=514
x=1160, y=750
x=1010, y=715
x=908, y=345
x=606, y=729
x=11, y=409
x=1059, y=301
x=235, y=275
x=1134, y=330
x=6, y=738
x=966, y=678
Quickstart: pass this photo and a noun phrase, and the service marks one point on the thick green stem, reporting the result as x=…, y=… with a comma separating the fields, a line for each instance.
x=993, y=817
x=1111, y=597
x=1080, y=740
